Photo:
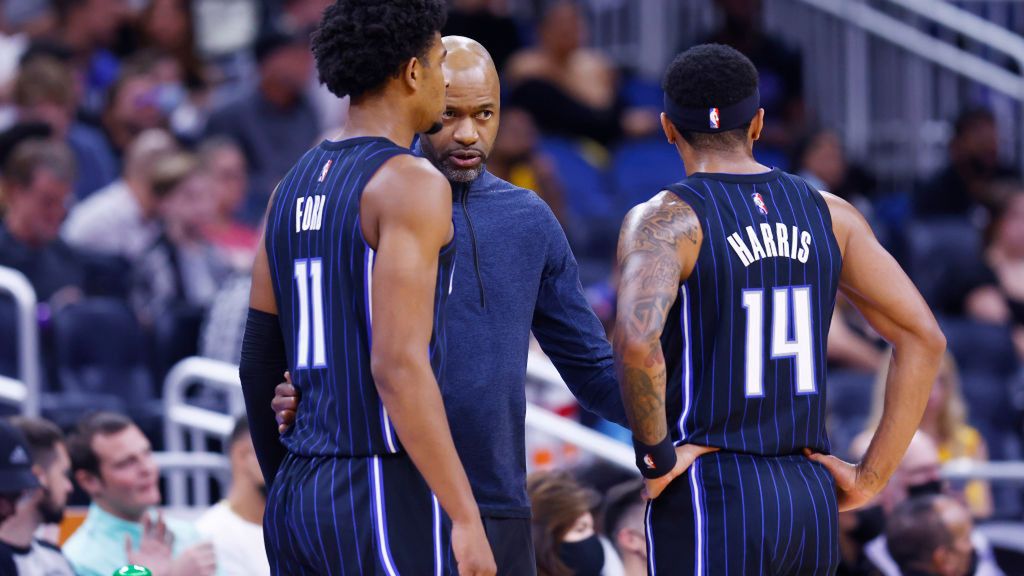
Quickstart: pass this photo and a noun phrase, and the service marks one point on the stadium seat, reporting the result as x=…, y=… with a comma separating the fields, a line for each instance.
x=640, y=169
x=849, y=403
x=937, y=251
x=8, y=338
x=100, y=363
x=586, y=194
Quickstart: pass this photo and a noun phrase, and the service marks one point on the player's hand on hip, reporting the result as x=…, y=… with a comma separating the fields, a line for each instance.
x=472, y=550
x=850, y=490
x=285, y=403
x=686, y=455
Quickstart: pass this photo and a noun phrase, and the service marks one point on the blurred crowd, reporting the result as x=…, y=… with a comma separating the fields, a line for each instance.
x=140, y=141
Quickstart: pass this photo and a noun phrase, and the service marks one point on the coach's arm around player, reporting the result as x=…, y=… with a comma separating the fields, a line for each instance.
x=880, y=290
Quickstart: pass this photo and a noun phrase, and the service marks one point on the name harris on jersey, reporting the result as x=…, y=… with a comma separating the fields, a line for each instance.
x=768, y=241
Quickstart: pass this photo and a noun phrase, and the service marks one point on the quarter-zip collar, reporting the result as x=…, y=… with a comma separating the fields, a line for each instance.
x=461, y=192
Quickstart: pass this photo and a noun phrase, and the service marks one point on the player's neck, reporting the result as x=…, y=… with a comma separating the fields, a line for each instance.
x=378, y=117
x=19, y=529
x=718, y=162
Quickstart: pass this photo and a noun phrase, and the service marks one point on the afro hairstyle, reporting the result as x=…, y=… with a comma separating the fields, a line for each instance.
x=711, y=76
x=360, y=44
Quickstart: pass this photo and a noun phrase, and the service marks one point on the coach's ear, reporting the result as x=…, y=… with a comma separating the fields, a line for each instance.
x=670, y=130
x=756, y=125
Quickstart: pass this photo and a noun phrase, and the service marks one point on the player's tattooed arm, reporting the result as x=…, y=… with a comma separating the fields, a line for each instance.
x=658, y=245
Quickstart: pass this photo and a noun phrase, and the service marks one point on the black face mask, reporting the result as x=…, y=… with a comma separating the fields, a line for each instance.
x=973, y=569
x=932, y=488
x=584, y=558
x=870, y=524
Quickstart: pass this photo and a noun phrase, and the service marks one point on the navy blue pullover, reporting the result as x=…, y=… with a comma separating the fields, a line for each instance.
x=514, y=273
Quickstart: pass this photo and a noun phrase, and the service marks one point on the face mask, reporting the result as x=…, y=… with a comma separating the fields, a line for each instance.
x=973, y=568
x=926, y=489
x=870, y=524
x=584, y=558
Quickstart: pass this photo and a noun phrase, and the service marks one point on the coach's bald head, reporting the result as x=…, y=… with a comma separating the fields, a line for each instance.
x=470, y=118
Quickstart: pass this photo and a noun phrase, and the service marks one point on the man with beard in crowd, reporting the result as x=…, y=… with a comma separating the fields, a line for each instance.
x=20, y=551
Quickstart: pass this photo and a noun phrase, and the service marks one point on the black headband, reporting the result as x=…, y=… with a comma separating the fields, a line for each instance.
x=713, y=120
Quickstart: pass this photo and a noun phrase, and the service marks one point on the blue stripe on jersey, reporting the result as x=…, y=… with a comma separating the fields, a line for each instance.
x=768, y=236
x=318, y=255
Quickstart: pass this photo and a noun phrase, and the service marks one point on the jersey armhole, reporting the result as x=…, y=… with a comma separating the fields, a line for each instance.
x=694, y=198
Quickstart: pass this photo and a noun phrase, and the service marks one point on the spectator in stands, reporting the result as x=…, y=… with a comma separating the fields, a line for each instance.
x=235, y=525
x=945, y=422
x=89, y=28
x=37, y=181
x=167, y=26
x=132, y=105
x=516, y=159
x=931, y=536
x=52, y=467
x=224, y=164
x=477, y=19
x=45, y=92
x=275, y=123
x=571, y=90
x=181, y=271
x=564, y=537
x=820, y=159
x=919, y=474
x=962, y=188
x=779, y=69
x=113, y=463
x=20, y=22
x=624, y=525
x=16, y=477
x=127, y=205
x=1004, y=257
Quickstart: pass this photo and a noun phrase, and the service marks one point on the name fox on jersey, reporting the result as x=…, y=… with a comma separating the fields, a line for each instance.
x=309, y=213
x=780, y=241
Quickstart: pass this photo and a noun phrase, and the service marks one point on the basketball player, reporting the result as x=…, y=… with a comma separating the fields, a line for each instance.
x=349, y=294
x=515, y=275
x=728, y=281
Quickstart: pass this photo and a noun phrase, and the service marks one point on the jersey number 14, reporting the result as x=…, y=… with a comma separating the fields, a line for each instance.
x=789, y=305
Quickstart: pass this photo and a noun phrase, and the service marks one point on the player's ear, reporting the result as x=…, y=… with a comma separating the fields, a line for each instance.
x=669, y=129
x=756, y=125
x=412, y=73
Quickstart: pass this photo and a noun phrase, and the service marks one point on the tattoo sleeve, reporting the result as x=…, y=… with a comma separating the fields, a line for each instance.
x=652, y=244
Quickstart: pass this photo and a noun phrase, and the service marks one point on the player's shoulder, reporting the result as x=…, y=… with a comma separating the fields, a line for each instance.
x=409, y=169
x=666, y=204
x=664, y=216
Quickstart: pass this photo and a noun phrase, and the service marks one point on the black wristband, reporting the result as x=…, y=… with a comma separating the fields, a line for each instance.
x=655, y=461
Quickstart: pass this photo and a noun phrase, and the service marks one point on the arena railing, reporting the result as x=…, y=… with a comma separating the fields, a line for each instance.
x=23, y=392
x=188, y=428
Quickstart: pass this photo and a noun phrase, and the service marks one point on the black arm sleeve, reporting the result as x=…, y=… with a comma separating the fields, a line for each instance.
x=262, y=368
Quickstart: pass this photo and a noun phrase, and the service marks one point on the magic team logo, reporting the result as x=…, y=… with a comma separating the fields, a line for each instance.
x=713, y=119
x=759, y=202
x=649, y=462
x=327, y=168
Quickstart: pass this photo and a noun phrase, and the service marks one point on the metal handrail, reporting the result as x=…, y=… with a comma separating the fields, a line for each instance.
x=184, y=423
x=26, y=390
x=927, y=47
x=970, y=25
